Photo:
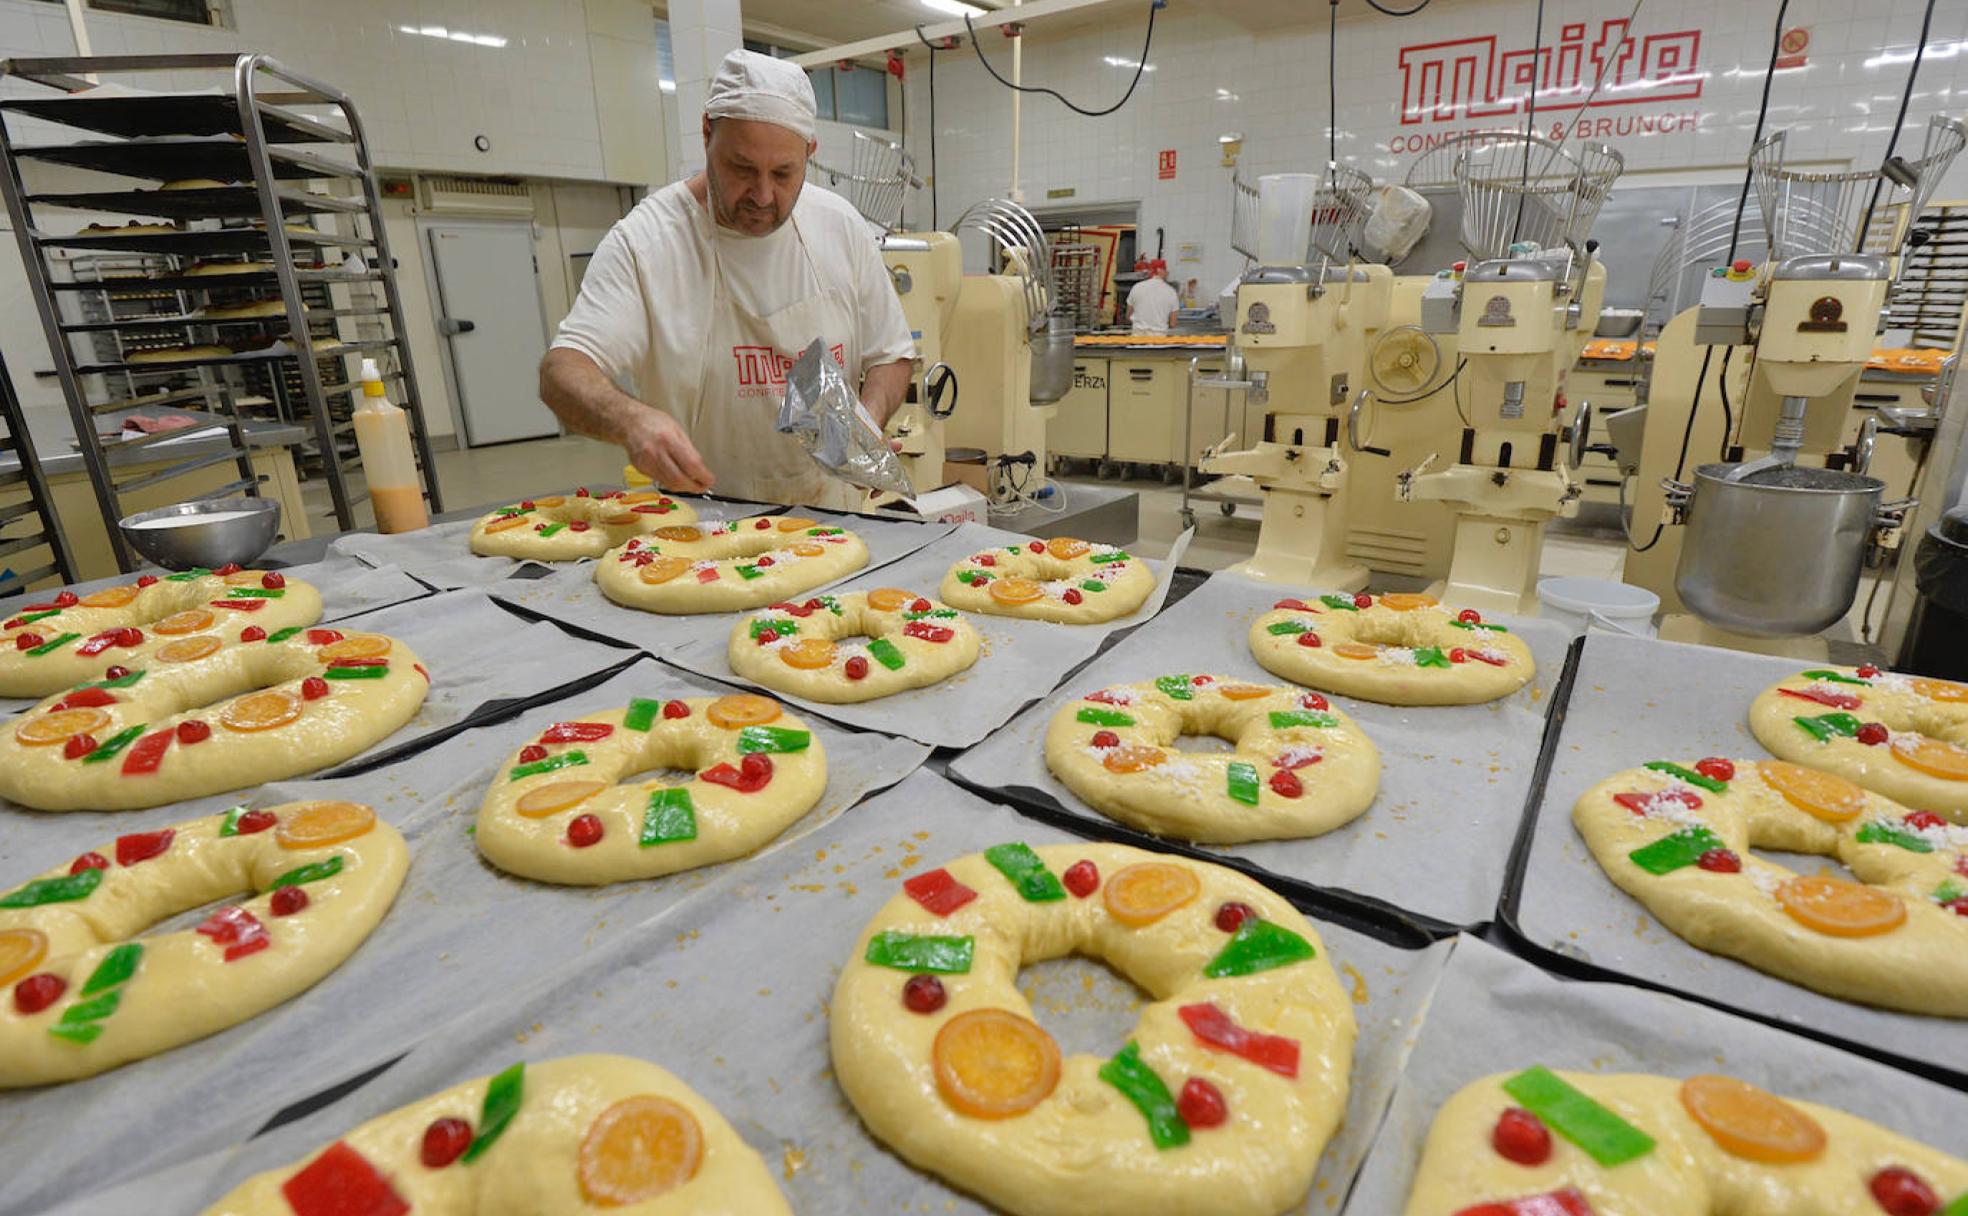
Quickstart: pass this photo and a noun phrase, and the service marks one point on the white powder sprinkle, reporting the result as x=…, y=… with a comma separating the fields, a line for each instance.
x=1766, y=878
x=1396, y=656
x=1893, y=682
x=1297, y=755
x=1117, y=696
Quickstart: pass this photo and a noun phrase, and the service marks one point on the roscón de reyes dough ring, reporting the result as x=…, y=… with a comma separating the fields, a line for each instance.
x=1678, y=839
x=568, y=527
x=1547, y=1143
x=576, y=1134
x=804, y=649
x=1220, y=1101
x=1397, y=649
x=728, y=567
x=1064, y=579
x=52, y=645
x=557, y=813
x=83, y=993
x=200, y=715
x=1904, y=736
x=1298, y=767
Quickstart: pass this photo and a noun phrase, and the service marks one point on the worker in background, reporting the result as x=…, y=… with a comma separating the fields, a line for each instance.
x=699, y=300
x=1151, y=303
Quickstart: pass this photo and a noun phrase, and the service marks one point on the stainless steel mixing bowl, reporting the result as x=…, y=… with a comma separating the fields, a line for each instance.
x=212, y=533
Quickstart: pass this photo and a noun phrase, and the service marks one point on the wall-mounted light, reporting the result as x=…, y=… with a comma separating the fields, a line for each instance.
x=451, y=35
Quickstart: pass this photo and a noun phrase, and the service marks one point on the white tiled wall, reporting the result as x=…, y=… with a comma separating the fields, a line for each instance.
x=1212, y=76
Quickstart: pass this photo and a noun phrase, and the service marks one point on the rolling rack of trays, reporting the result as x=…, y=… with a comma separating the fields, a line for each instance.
x=259, y=166
x=32, y=521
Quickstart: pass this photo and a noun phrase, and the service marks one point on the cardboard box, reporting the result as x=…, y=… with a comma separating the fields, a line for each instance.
x=952, y=504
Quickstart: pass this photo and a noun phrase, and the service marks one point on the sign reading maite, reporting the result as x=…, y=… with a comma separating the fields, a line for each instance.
x=1165, y=164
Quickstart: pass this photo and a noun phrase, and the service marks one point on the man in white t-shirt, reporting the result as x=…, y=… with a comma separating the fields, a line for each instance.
x=699, y=300
x=1151, y=304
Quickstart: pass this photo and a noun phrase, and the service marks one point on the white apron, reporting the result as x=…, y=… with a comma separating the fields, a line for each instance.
x=746, y=357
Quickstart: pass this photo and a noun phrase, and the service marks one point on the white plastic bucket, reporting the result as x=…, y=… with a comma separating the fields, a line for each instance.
x=1284, y=217
x=1582, y=604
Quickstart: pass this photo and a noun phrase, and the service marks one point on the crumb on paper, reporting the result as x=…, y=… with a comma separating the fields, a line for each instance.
x=1359, y=982
x=792, y=1162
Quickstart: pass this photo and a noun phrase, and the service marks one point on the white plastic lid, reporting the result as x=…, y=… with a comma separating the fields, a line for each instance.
x=369, y=370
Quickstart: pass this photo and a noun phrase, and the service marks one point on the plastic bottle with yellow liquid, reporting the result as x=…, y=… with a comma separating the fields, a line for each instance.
x=382, y=434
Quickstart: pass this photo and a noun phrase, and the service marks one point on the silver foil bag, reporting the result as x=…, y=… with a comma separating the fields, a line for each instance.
x=822, y=410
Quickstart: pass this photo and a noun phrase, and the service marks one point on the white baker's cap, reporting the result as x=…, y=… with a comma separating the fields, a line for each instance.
x=763, y=89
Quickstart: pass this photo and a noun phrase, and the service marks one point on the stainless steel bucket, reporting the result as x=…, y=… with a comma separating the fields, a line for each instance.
x=1778, y=553
x=1052, y=361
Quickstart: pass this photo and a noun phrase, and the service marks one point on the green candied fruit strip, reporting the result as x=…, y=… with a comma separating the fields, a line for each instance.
x=1139, y=1085
x=970, y=578
x=115, y=743
x=831, y=604
x=782, y=628
x=1475, y=625
x=1258, y=945
x=642, y=714
x=1672, y=852
x=81, y=1032
x=1023, y=869
x=510, y=512
x=1093, y=584
x=82, y=1021
x=1341, y=602
x=1958, y=1208
x=1876, y=832
x=1835, y=678
x=502, y=1098
x=1276, y=628
x=1948, y=892
x=1108, y=559
x=884, y=652
x=1286, y=719
x=49, y=647
x=939, y=614
x=1601, y=1134
x=254, y=593
x=1431, y=656
x=671, y=818
x=281, y=635
x=1104, y=717
x=921, y=952
x=66, y=889
x=122, y=681
x=1175, y=688
x=309, y=873
x=550, y=529
x=1824, y=726
x=772, y=739
x=1243, y=782
x=28, y=618
x=231, y=825
x=1689, y=775
x=187, y=576
x=750, y=572
x=823, y=531
x=563, y=760
x=357, y=673
x=116, y=968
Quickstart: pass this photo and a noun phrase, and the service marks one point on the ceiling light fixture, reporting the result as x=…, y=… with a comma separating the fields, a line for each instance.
x=450, y=35
x=955, y=8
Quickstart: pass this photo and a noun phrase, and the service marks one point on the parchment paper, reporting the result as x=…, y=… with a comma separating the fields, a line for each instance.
x=461, y=938
x=1641, y=699
x=570, y=596
x=1453, y=780
x=729, y=989
x=1492, y=1013
x=1020, y=660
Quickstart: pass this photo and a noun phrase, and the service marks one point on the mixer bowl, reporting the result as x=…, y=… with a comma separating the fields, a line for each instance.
x=1779, y=553
x=208, y=533
x=1052, y=361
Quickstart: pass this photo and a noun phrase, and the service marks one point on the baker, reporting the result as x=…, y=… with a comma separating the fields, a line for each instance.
x=1151, y=303
x=700, y=299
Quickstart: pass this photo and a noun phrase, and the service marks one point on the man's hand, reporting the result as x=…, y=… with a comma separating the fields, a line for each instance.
x=660, y=448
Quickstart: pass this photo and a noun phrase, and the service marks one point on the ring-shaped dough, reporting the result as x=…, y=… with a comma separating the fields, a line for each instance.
x=1298, y=767
x=199, y=716
x=568, y=527
x=728, y=567
x=1400, y=650
x=556, y=812
x=1684, y=1164
x=101, y=996
x=1815, y=718
x=1067, y=1142
x=77, y=635
x=1890, y=940
x=913, y=642
x=551, y=1156
x=1064, y=579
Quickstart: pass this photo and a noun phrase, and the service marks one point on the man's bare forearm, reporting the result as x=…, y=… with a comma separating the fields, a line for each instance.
x=584, y=399
x=883, y=388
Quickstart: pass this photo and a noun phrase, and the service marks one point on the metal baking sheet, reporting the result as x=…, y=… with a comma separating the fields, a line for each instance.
x=172, y=158
x=1453, y=781
x=460, y=940
x=1640, y=699
x=1493, y=1012
x=1020, y=660
x=133, y=112
x=213, y=202
x=710, y=989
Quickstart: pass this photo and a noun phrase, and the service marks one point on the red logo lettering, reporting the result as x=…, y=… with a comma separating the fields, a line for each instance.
x=764, y=367
x=1473, y=78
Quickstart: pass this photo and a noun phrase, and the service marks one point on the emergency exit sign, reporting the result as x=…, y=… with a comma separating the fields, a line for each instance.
x=1165, y=164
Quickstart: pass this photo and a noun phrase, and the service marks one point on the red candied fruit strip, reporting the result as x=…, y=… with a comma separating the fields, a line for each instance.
x=576, y=732
x=142, y=846
x=1637, y=803
x=323, y=637
x=1215, y=1029
x=938, y=891
x=1836, y=700
x=341, y=1182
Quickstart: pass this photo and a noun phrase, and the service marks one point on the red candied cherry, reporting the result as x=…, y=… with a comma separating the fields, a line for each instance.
x=1920, y=821
x=1105, y=738
x=675, y=709
x=580, y=491
x=445, y=1140
x=289, y=900
x=192, y=730
x=146, y=580
x=1363, y=600
x=229, y=568
x=1036, y=546
x=1201, y=1104
x=129, y=636
x=252, y=633
x=1720, y=861
x=254, y=822
x=1469, y=616
x=526, y=505
x=1285, y=784
x=1716, y=768
x=584, y=831
x=1957, y=906
x=578, y=525
x=1458, y=655
x=1229, y=916
x=857, y=667
x=532, y=752
x=116, y=673
x=766, y=636
x=1199, y=681
x=68, y=599
x=1902, y=1192
x=37, y=992
x=1868, y=672
x=1071, y=595
x=1309, y=639
x=924, y=994
x=1082, y=878
x=313, y=688
x=762, y=525
x=27, y=641
x=273, y=580
x=986, y=559
x=89, y=861
x=1521, y=1136
x=763, y=562
x=921, y=605
x=1313, y=700
x=756, y=767
x=1872, y=734
x=78, y=746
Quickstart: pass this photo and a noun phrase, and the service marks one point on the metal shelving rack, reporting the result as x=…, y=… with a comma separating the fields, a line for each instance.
x=248, y=135
x=38, y=509
x=1932, y=298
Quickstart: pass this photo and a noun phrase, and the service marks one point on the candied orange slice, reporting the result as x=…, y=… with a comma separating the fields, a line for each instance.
x=509, y=521
x=637, y=1149
x=888, y=599
x=1244, y=692
x=808, y=654
x=1132, y=759
x=1934, y=690
x=110, y=597
x=1066, y=548
x=640, y=496
x=742, y=709
x=619, y=518
x=1840, y=908
x=1144, y=893
x=992, y=1063
x=1751, y=1124
x=58, y=726
x=1015, y=591
x=793, y=523
x=244, y=578
x=191, y=620
x=555, y=500
x=807, y=549
x=21, y=951
x=261, y=711
x=1355, y=650
x=680, y=532
x=1818, y=794
x=544, y=800
x=317, y=824
x=355, y=646
x=185, y=650
x=662, y=570
x=1407, y=601
x=1931, y=756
